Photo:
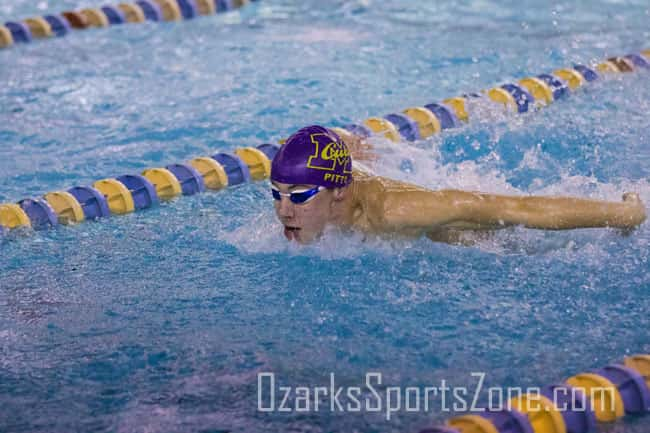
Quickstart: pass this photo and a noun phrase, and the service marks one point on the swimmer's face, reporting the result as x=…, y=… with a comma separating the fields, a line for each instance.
x=303, y=222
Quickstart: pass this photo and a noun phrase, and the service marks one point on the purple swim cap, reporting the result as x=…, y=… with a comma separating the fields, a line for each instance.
x=314, y=156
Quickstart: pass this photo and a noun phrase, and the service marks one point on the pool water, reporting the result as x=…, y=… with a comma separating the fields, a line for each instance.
x=160, y=321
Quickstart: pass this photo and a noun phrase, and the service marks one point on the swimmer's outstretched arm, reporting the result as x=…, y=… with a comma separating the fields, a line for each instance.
x=434, y=210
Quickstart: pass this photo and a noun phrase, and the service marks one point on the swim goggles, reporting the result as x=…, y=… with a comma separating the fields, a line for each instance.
x=297, y=197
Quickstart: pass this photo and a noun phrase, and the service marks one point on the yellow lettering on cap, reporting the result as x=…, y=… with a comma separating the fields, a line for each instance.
x=335, y=152
x=327, y=176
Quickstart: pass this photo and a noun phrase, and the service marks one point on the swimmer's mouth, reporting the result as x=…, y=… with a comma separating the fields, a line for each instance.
x=291, y=232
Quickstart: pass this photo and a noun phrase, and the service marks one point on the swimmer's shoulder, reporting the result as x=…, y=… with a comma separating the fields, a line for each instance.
x=366, y=183
x=375, y=197
x=368, y=197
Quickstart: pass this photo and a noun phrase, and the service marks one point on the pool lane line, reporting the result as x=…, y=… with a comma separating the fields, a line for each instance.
x=133, y=192
x=526, y=95
x=58, y=25
x=576, y=405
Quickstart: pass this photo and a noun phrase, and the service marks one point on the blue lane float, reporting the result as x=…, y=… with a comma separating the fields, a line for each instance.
x=114, y=15
x=19, y=31
x=587, y=73
x=92, y=202
x=444, y=114
x=235, y=168
x=143, y=192
x=631, y=385
x=40, y=213
x=191, y=180
x=406, y=126
x=360, y=130
x=188, y=8
x=638, y=60
x=559, y=88
x=59, y=25
x=150, y=9
x=269, y=150
x=575, y=407
x=523, y=98
x=223, y=5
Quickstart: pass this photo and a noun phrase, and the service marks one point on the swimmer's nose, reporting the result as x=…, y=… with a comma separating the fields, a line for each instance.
x=286, y=207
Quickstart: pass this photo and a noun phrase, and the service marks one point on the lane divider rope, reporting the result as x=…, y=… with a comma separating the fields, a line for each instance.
x=577, y=405
x=131, y=192
x=527, y=95
x=57, y=25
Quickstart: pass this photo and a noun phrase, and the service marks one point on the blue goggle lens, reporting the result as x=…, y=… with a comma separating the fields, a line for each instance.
x=296, y=197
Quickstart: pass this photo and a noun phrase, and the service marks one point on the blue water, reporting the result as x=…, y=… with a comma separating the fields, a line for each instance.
x=160, y=321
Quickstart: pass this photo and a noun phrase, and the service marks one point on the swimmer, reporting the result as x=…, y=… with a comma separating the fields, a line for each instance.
x=314, y=185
